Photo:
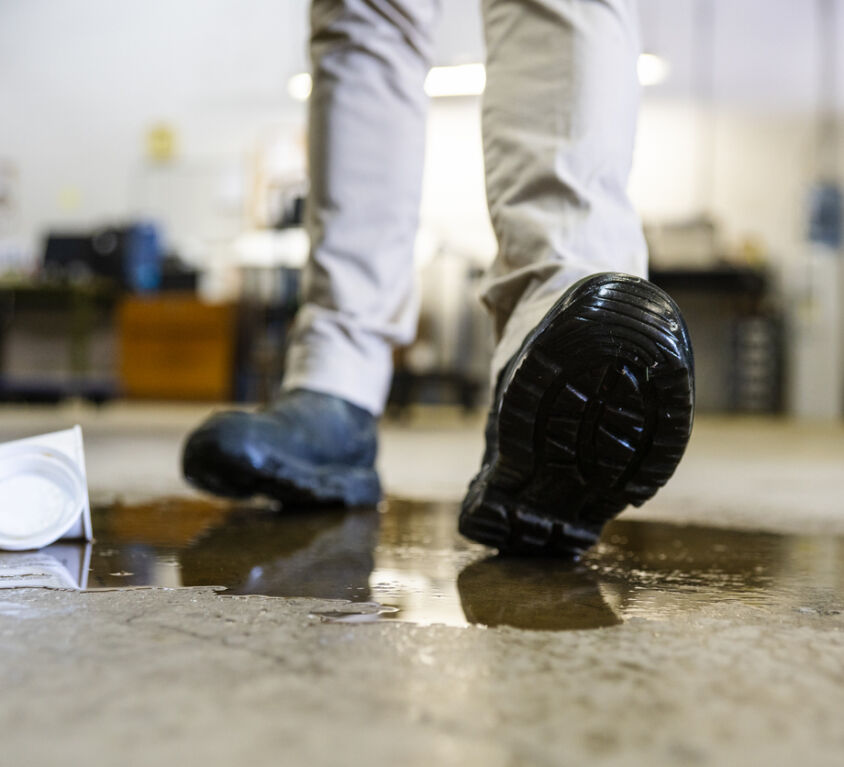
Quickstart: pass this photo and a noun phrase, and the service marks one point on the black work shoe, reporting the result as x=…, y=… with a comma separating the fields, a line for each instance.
x=592, y=413
x=307, y=449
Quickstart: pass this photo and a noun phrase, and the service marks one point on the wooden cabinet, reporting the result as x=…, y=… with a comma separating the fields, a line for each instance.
x=173, y=346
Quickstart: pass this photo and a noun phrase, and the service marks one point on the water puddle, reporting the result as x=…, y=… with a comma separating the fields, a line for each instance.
x=406, y=562
x=368, y=612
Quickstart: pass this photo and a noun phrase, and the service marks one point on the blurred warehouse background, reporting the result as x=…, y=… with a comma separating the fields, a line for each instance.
x=152, y=176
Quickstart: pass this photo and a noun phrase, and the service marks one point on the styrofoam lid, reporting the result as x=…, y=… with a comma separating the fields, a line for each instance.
x=42, y=493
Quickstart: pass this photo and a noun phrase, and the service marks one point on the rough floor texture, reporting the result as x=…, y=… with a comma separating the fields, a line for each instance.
x=193, y=677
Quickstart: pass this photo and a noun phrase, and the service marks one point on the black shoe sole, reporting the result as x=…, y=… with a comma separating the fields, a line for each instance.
x=592, y=414
x=234, y=472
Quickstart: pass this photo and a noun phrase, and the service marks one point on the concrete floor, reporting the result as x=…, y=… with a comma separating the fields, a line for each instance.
x=689, y=636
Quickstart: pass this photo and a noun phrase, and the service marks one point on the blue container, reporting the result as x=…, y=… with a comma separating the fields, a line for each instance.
x=826, y=214
x=143, y=256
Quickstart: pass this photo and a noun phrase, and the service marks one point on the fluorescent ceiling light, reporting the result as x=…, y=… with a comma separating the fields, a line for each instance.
x=299, y=86
x=470, y=79
x=652, y=69
x=460, y=80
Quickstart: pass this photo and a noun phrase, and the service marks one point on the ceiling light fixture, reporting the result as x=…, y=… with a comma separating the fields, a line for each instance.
x=299, y=86
x=652, y=69
x=470, y=79
x=459, y=80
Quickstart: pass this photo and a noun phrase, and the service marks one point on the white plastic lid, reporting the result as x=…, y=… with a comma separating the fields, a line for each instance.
x=42, y=493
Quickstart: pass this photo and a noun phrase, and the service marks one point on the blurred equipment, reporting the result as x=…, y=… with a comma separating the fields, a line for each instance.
x=756, y=373
x=130, y=256
x=693, y=243
x=268, y=302
x=449, y=360
x=826, y=214
x=178, y=276
x=735, y=328
x=815, y=330
x=56, y=341
x=270, y=263
x=817, y=293
x=9, y=193
x=734, y=322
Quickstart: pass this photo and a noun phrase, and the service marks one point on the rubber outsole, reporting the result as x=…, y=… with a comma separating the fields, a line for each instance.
x=238, y=474
x=592, y=414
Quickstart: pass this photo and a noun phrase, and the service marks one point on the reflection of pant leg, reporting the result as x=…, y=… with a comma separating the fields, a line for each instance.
x=559, y=120
x=367, y=124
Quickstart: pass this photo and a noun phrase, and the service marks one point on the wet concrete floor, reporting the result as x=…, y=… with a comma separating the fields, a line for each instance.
x=713, y=646
x=406, y=562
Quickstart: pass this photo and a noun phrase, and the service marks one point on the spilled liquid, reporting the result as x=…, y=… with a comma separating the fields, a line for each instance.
x=407, y=562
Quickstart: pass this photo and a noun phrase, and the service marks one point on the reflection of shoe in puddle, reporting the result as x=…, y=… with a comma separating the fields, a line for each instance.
x=530, y=594
x=326, y=554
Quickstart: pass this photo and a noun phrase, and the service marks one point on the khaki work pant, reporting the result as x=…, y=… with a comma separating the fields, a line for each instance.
x=559, y=119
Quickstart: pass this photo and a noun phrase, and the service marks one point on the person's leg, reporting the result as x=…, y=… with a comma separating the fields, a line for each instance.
x=592, y=371
x=316, y=443
x=559, y=121
x=367, y=143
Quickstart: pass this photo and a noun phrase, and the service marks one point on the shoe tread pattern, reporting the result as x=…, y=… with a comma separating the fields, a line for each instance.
x=595, y=416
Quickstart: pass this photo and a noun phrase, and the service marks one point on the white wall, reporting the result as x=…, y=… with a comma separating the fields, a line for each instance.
x=752, y=173
x=453, y=195
x=82, y=80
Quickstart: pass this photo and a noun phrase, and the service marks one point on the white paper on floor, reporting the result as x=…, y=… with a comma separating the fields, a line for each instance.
x=44, y=491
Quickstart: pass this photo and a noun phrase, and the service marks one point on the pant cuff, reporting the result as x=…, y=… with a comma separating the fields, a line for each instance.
x=359, y=372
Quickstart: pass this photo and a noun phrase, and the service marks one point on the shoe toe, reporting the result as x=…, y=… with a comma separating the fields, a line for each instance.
x=293, y=456
x=213, y=455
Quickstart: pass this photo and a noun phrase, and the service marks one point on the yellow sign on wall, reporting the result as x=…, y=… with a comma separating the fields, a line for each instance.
x=161, y=143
